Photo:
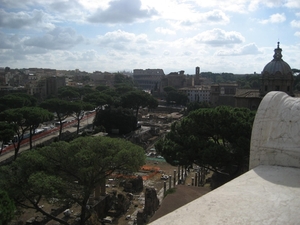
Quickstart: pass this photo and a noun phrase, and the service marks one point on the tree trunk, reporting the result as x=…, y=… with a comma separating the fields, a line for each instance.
x=78, y=125
x=84, y=209
x=30, y=137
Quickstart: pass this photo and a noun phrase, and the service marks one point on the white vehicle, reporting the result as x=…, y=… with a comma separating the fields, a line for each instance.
x=107, y=219
x=164, y=177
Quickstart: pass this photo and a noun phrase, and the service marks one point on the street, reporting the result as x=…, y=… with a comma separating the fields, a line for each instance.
x=46, y=135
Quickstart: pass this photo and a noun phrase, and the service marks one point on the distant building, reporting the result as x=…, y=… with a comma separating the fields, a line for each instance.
x=223, y=94
x=197, y=93
x=247, y=98
x=102, y=78
x=276, y=76
x=148, y=79
x=53, y=84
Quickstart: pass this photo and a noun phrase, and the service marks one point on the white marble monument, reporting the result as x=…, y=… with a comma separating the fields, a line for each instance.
x=276, y=132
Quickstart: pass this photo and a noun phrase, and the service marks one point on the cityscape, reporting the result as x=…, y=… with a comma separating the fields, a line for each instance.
x=136, y=112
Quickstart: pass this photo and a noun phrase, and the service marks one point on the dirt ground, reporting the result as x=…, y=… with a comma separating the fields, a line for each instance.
x=138, y=201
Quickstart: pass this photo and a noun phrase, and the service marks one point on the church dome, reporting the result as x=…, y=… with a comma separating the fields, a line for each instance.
x=277, y=75
x=277, y=65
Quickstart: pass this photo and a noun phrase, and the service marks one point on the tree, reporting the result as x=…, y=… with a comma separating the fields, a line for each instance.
x=6, y=133
x=74, y=93
x=61, y=109
x=102, y=88
x=68, y=93
x=169, y=89
x=116, y=118
x=17, y=100
x=215, y=138
x=177, y=97
x=23, y=120
x=137, y=99
x=191, y=106
x=122, y=79
x=33, y=117
x=7, y=208
x=98, y=99
x=68, y=172
x=78, y=108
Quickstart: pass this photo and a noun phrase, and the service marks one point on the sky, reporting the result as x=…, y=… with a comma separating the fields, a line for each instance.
x=230, y=36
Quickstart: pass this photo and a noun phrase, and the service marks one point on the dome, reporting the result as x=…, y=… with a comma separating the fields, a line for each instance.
x=277, y=75
x=277, y=65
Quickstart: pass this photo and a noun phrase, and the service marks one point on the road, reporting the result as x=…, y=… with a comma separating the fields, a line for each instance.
x=46, y=135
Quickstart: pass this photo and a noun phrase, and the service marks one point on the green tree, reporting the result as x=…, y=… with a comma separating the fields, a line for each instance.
x=177, y=97
x=74, y=93
x=122, y=79
x=61, y=109
x=23, y=120
x=17, y=100
x=102, y=88
x=215, y=138
x=169, y=89
x=7, y=208
x=137, y=99
x=68, y=93
x=68, y=172
x=33, y=117
x=78, y=109
x=6, y=133
x=116, y=118
x=98, y=99
x=15, y=118
x=191, y=106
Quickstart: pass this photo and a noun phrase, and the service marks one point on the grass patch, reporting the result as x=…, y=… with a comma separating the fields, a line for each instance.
x=170, y=191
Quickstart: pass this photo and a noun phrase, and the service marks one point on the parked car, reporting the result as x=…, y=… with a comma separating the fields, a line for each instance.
x=164, y=177
x=107, y=219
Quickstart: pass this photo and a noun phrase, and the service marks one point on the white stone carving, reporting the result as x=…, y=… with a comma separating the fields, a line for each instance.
x=276, y=132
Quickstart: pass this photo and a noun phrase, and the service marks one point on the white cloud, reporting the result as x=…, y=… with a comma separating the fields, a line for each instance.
x=121, y=11
x=8, y=41
x=125, y=42
x=58, y=38
x=34, y=19
x=249, y=49
x=297, y=34
x=164, y=31
x=216, y=16
x=228, y=5
x=295, y=23
x=217, y=37
x=211, y=17
x=275, y=18
x=292, y=4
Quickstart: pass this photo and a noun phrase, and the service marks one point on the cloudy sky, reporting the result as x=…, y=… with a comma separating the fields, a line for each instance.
x=237, y=36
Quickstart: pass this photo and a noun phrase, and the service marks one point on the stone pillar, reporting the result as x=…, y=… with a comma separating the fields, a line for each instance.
x=178, y=179
x=174, y=183
x=151, y=201
x=165, y=187
x=182, y=174
x=196, y=179
x=170, y=180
